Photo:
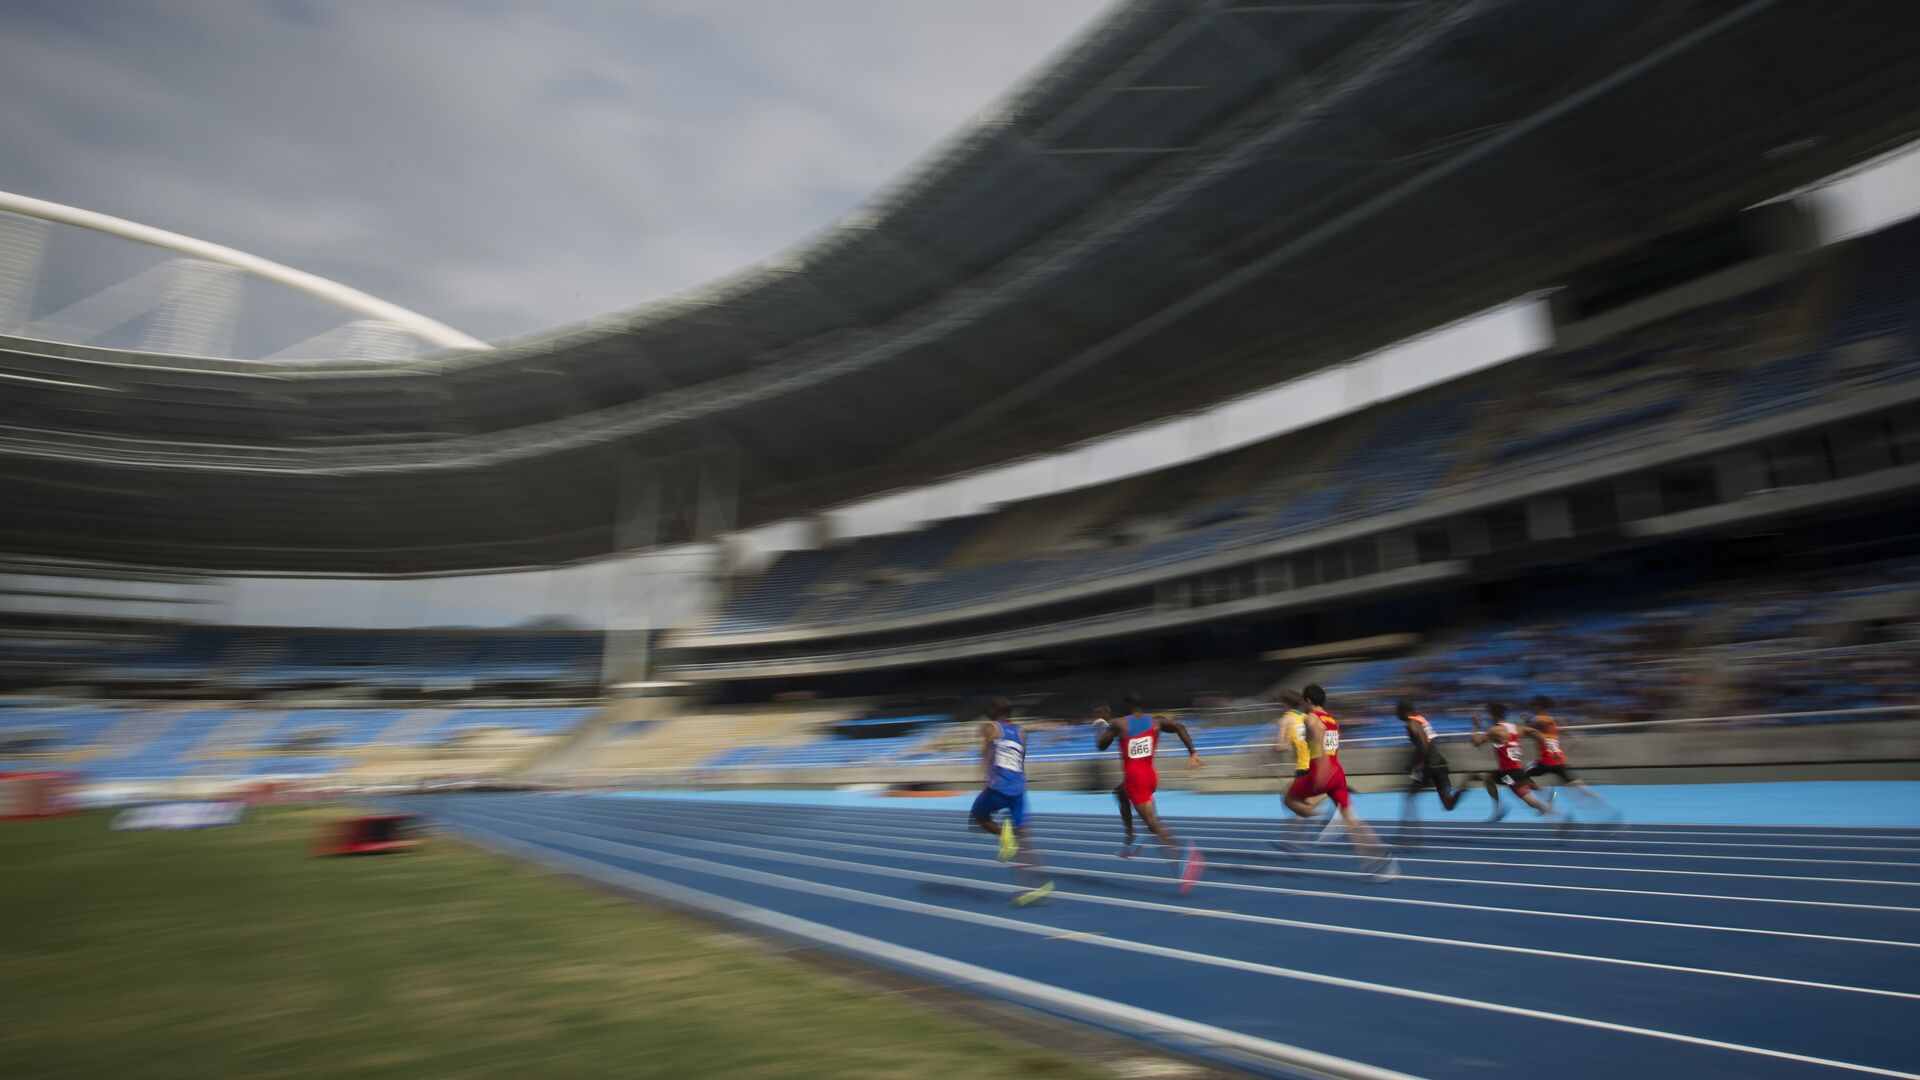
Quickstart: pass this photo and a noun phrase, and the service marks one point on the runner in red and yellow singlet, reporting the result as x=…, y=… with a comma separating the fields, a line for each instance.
x=1326, y=776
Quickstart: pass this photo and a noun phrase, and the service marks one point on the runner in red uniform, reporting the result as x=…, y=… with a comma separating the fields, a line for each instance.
x=1510, y=769
x=1139, y=736
x=1553, y=758
x=1326, y=776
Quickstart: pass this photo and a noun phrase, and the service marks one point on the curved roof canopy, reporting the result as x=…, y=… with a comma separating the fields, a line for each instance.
x=1197, y=200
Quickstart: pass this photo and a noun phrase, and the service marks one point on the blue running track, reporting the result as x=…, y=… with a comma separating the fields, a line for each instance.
x=1697, y=950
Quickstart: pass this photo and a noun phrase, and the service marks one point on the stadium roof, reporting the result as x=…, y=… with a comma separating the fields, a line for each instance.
x=1197, y=199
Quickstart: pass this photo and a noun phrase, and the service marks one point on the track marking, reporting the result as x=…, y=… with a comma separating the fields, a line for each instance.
x=924, y=837
x=1053, y=842
x=1124, y=1019
x=1077, y=828
x=714, y=869
x=882, y=870
x=1435, y=825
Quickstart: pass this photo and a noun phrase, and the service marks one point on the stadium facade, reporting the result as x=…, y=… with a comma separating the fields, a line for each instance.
x=1193, y=202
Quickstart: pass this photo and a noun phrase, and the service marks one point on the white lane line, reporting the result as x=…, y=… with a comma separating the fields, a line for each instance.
x=884, y=870
x=791, y=884
x=1434, y=825
x=1077, y=828
x=1114, y=1016
x=1049, y=840
x=1257, y=826
x=1381, y=898
x=1186, y=834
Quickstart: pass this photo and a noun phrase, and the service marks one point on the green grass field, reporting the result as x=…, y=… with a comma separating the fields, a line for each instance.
x=231, y=953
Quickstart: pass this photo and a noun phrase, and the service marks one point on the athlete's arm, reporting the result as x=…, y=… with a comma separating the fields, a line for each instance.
x=1480, y=738
x=1180, y=729
x=1280, y=733
x=1316, y=748
x=1107, y=732
x=989, y=731
x=1420, y=739
x=1532, y=732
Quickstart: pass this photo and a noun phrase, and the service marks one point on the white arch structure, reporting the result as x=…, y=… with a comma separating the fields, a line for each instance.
x=428, y=330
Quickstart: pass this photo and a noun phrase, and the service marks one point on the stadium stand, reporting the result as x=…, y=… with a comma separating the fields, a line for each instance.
x=153, y=743
x=1773, y=349
x=262, y=659
x=1836, y=645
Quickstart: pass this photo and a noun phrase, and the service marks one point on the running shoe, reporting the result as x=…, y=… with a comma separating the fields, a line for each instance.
x=1190, y=869
x=1385, y=868
x=1328, y=830
x=1008, y=845
x=1129, y=850
x=1034, y=895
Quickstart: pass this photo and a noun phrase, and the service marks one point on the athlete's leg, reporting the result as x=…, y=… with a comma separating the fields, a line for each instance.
x=981, y=816
x=1150, y=817
x=1450, y=796
x=1302, y=806
x=1029, y=858
x=1531, y=796
x=1534, y=772
x=1028, y=864
x=1585, y=791
x=1186, y=857
x=1364, y=838
x=1126, y=810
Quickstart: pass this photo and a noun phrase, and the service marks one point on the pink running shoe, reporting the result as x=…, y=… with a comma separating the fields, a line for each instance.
x=1190, y=869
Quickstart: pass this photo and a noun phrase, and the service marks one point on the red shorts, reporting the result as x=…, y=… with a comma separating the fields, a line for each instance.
x=1335, y=788
x=1139, y=787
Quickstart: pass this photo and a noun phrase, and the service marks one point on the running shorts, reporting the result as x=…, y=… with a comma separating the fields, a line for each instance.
x=990, y=802
x=1515, y=779
x=1335, y=787
x=1139, y=787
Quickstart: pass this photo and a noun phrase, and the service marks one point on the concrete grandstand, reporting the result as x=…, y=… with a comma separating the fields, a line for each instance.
x=1195, y=202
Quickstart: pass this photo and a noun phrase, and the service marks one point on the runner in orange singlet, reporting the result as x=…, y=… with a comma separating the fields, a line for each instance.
x=1551, y=736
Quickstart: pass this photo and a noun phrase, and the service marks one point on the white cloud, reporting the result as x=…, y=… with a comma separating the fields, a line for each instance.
x=502, y=166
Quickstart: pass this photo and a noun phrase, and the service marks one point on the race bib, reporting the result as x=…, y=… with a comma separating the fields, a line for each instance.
x=1140, y=746
x=1008, y=758
x=1331, y=741
x=1553, y=746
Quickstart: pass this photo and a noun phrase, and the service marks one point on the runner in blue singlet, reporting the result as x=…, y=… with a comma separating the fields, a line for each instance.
x=1003, y=752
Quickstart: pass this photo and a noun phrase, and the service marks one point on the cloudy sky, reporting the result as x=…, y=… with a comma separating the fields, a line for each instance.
x=501, y=165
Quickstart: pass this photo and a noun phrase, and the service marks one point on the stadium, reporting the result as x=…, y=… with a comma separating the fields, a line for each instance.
x=1678, y=528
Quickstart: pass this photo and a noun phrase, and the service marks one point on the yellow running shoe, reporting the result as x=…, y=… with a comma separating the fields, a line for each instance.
x=1008, y=845
x=1035, y=895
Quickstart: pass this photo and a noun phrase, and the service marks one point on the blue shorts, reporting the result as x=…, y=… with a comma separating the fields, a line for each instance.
x=992, y=802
